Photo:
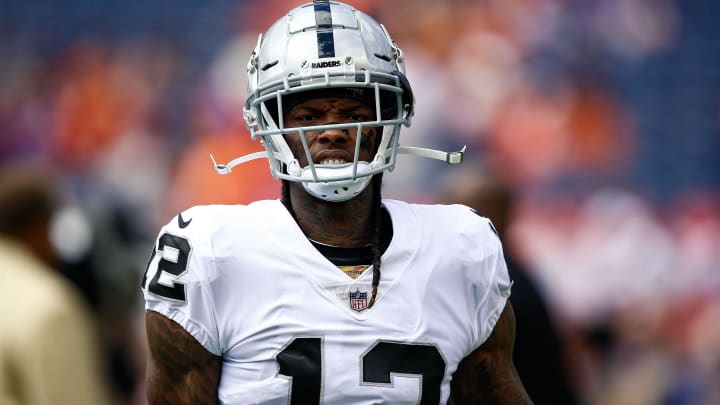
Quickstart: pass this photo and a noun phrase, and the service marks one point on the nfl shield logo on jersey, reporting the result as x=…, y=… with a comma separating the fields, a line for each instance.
x=358, y=300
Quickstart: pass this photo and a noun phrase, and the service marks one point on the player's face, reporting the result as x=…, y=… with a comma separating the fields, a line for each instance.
x=333, y=146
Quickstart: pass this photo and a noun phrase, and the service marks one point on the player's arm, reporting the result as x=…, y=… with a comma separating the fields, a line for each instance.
x=488, y=375
x=180, y=370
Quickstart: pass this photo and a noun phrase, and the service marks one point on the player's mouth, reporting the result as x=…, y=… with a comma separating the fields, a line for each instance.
x=333, y=161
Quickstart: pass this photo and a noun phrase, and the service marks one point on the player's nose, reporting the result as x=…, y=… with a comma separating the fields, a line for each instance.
x=334, y=135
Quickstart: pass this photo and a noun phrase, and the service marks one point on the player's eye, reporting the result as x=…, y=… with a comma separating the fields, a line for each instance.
x=357, y=117
x=306, y=117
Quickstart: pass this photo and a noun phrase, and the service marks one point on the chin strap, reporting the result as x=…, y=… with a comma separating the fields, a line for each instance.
x=452, y=158
x=227, y=168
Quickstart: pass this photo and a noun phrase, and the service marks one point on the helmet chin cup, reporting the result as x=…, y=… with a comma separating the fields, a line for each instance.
x=339, y=190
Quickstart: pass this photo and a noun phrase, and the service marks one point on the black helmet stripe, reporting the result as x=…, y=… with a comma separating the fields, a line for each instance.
x=325, y=37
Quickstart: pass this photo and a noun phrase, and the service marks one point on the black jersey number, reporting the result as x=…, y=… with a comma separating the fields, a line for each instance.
x=301, y=359
x=176, y=267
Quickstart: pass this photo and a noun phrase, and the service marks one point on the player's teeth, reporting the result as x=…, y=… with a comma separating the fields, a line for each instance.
x=332, y=161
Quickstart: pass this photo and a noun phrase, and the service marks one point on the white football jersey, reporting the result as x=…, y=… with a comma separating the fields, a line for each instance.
x=292, y=328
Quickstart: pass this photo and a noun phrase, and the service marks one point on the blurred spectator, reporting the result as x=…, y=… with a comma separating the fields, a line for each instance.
x=48, y=347
x=538, y=355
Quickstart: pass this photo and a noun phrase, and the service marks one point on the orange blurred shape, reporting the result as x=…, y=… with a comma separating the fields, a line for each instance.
x=599, y=130
x=89, y=112
x=528, y=135
x=538, y=135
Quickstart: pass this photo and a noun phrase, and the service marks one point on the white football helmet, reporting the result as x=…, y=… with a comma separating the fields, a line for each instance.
x=320, y=47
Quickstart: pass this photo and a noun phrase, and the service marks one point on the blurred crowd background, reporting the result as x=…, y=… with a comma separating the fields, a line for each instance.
x=601, y=116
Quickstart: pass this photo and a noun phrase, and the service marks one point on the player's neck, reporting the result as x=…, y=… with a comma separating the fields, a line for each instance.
x=339, y=224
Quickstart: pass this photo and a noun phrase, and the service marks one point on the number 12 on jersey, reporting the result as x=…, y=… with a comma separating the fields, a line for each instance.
x=301, y=360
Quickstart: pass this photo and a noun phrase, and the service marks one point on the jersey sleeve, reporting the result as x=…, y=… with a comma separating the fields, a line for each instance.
x=490, y=277
x=496, y=296
x=177, y=282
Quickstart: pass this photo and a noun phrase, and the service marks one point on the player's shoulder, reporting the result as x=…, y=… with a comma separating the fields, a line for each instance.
x=198, y=237
x=456, y=218
x=205, y=220
x=207, y=228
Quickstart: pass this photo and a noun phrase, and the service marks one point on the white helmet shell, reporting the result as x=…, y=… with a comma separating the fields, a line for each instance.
x=328, y=46
x=319, y=46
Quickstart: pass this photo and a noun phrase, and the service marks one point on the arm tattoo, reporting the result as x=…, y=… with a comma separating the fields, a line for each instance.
x=488, y=376
x=180, y=370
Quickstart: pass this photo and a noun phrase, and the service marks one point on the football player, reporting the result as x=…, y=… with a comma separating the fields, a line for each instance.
x=331, y=294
